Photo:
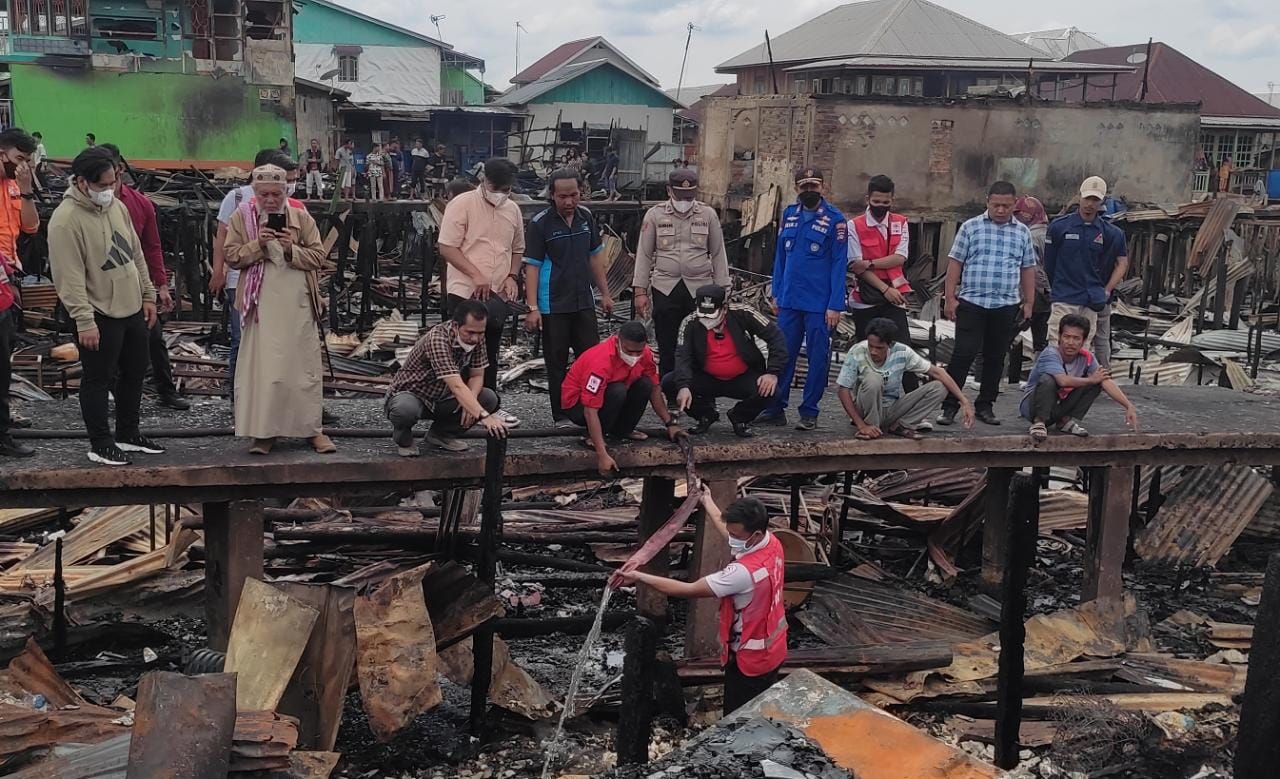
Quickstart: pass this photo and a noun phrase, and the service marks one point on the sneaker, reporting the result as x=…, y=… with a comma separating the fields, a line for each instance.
x=175, y=402
x=408, y=451
x=987, y=416
x=947, y=417
x=510, y=420
x=925, y=426
x=19, y=422
x=445, y=443
x=139, y=443
x=11, y=448
x=807, y=424
x=109, y=454
x=742, y=429
x=702, y=426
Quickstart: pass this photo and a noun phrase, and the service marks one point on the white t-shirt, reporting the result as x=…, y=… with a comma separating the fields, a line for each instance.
x=734, y=580
x=855, y=246
x=419, y=152
x=229, y=205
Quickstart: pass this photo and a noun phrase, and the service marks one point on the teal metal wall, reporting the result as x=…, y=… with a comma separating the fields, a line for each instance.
x=607, y=85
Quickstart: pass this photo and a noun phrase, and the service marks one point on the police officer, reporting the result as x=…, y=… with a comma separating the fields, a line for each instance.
x=809, y=267
x=681, y=249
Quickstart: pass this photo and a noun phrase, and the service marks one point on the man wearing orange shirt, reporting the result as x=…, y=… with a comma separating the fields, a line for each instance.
x=17, y=215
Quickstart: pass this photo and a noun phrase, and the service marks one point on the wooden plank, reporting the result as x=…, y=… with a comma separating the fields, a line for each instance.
x=319, y=686
x=183, y=726
x=96, y=531
x=657, y=501
x=710, y=554
x=995, y=529
x=268, y=637
x=1110, y=502
x=233, y=554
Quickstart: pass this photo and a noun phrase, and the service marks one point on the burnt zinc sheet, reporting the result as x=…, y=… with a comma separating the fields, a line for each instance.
x=848, y=610
x=1203, y=516
x=941, y=485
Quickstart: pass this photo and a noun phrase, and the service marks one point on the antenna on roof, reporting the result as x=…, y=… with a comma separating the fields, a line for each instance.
x=435, y=19
x=519, y=28
x=689, y=37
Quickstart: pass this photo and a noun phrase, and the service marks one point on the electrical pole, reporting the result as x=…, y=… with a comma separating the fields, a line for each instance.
x=683, y=62
x=519, y=27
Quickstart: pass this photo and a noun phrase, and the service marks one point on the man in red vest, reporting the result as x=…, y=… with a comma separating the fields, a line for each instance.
x=878, y=244
x=753, y=618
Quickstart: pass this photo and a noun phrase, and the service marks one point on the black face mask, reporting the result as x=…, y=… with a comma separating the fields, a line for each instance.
x=810, y=200
x=10, y=169
x=879, y=212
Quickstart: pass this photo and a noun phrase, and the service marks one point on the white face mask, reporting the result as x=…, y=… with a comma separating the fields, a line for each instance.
x=629, y=359
x=711, y=322
x=102, y=197
x=464, y=346
x=683, y=206
x=738, y=545
x=496, y=199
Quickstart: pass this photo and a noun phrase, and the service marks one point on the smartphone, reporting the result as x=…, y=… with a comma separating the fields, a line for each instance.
x=276, y=221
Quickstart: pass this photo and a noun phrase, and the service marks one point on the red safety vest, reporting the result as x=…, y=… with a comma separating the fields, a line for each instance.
x=763, y=644
x=874, y=246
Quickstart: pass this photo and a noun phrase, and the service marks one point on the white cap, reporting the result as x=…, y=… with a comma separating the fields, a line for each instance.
x=1094, y=186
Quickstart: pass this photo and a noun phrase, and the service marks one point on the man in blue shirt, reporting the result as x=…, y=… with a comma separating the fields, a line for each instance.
x=991, y=278
x=1065, y=381
x=562, y=260
x=809, y=267
x=1085, y=257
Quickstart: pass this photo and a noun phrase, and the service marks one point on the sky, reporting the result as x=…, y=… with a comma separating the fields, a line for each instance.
x=1239, y=39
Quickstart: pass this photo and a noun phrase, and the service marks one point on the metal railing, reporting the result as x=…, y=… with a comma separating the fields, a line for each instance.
x=6, y=114
x=1200, y=181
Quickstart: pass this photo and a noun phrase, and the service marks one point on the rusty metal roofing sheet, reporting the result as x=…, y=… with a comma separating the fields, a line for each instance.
x=946, y=485
x=1266, y=523
x=850, y=610
x=1203, y=516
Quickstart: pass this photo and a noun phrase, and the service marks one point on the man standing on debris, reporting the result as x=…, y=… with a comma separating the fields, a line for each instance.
x=421, y=158
x=871, y=392
x=879, y=241
x=991, y=278
x=315, y=169
x=610, y=174
x=38, y=163
x=442, y=379
x=1085, y=258
x=753, y=617
x=345, y=158
x=1030, y=211
x=17, y=204
x=718, y=357
x=142, y=212
x=1064, y=383
x=809, y=266
x=563, y=258
x=101, y=277
x=681, y=249
x=482, y=238
x=375, y=168
x=607, y=389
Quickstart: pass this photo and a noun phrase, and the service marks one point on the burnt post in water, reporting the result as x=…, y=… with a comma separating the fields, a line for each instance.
x=635, y=721
x=1258, y=745
x=495, y=456
x=1023, y=522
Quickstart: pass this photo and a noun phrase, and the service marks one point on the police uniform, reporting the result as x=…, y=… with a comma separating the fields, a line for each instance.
x=809, y=265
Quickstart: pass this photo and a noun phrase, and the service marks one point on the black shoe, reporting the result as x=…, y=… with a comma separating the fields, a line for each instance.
x=139, y=443
x=19, y=423
x=703, y=426
x=779, y=419
x=11, y=448
x=327, y=418
x=987, y=416
x=947, y=417
x=109, y=454
x=175, y=402
x=742, y=429
x=807, y=424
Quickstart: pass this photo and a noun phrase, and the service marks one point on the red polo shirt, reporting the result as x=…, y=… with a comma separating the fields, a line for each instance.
x=723, y=361
x=601, y=366
x=142, y=212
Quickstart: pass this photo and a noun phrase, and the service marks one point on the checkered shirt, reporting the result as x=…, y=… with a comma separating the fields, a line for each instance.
x=434, y=357
x=993, y=256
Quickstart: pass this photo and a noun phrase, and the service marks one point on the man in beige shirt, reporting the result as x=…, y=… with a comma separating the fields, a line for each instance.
x=482, y=239
x=681, y=248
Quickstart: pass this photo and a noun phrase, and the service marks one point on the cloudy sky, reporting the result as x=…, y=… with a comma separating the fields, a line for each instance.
x=1237, y=38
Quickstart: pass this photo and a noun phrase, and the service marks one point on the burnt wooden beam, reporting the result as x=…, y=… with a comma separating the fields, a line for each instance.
x=487, y=571
x=635, y=723
x=1258, y=744
x=710, y=554
x=995, y=529
x=657, y=502
x=1110, y=504
x=233, y=553
x=1023, y=528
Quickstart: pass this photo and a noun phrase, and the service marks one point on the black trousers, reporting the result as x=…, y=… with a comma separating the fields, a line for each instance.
x=985, y=331
x=560, y=333
x=161, y=370
x=669, y=312
x=6, y=367
x=622, y=410
x=120, y=361
x=1046, y=406
x=740, y=689
x=898, y=315
x=706, y=388
x=498, y=311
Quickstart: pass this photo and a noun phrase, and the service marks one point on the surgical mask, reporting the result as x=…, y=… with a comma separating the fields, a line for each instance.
x=102, y=197
x=496, y=199
x=463, y=345
x=879, y=212
x=629, y=359
x=711, y=322
x=738, y=545
x=683, y=206
x=811, y=199
x=290, y=188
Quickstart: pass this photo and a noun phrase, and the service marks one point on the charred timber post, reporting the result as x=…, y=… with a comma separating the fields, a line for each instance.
x=795, y=503
x=710, y=553
x=1110, y=502
x=1220, y=300
x=635, y=723
x=495, y=456
x=1023, y=528
x=995, y=530
x=657, y=502
x=1258, y=745
x=233, y=552
x=59, y=604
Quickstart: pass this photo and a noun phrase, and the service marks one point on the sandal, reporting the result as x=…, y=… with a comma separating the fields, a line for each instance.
x=1038, y=431
x=262, y=446
x=1072, y=427
x=636, y=435
x=323, y=444
x=903, y=432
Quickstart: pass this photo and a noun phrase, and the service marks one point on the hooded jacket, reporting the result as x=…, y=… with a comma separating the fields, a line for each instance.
x=96, y=260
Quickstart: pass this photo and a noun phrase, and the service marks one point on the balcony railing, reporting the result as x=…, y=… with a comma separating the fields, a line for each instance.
x=6, y=114
x=1200, y=182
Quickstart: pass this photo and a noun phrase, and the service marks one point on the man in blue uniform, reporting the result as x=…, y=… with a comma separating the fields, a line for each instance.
x=809, y=267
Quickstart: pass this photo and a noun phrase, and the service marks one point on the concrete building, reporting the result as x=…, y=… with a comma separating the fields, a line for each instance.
x=943, y=154
x=586, y=94
x=205, y=83
x=318, y=115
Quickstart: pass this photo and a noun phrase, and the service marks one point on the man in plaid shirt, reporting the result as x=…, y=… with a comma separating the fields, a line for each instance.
x=991, y=280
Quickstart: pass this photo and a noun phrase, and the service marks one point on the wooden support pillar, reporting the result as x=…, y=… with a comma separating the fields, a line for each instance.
x=635, y=721
x=1110, y=501
x=657, y=502
x=487, y=571
x=1023, y=527
x=233, y=552
x=995, y=529
x=710, y=554
x=1258, y=750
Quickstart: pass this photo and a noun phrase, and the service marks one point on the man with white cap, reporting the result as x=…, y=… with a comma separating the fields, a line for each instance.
x=1085, y=257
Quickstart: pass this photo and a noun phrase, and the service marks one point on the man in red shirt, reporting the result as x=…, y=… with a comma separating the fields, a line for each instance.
x=17, y=215
x=753, y=617
x=718, y=357
x=607, y=388
x=142, y=212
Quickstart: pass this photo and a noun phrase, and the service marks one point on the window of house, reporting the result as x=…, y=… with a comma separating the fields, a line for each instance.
x=917, y=86
x=822, y=86
x=904, y=87
x=1246, y=155
x=1241, y=147
x=759, y=86
x=860, y=85
x=126, y=28
x=801, y=86
x=349, y=67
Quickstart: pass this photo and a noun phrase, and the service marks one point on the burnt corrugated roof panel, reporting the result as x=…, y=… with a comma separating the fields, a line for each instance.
x=851, y=610
x=1204, y=515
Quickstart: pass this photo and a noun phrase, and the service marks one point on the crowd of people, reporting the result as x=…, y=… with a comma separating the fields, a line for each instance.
x=387, y=168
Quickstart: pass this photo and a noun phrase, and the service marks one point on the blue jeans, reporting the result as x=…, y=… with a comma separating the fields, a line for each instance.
x=233, y=327
x=810, y=328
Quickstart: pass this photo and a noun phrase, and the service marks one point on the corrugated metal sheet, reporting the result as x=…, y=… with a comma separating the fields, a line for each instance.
x=1266, y=523
x=850, y=610
x=1203, y=516
x=938, y=63
x=943, y=485
x=1234, y=341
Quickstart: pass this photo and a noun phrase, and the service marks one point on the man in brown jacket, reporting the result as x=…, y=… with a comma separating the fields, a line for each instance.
x=681, y=248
